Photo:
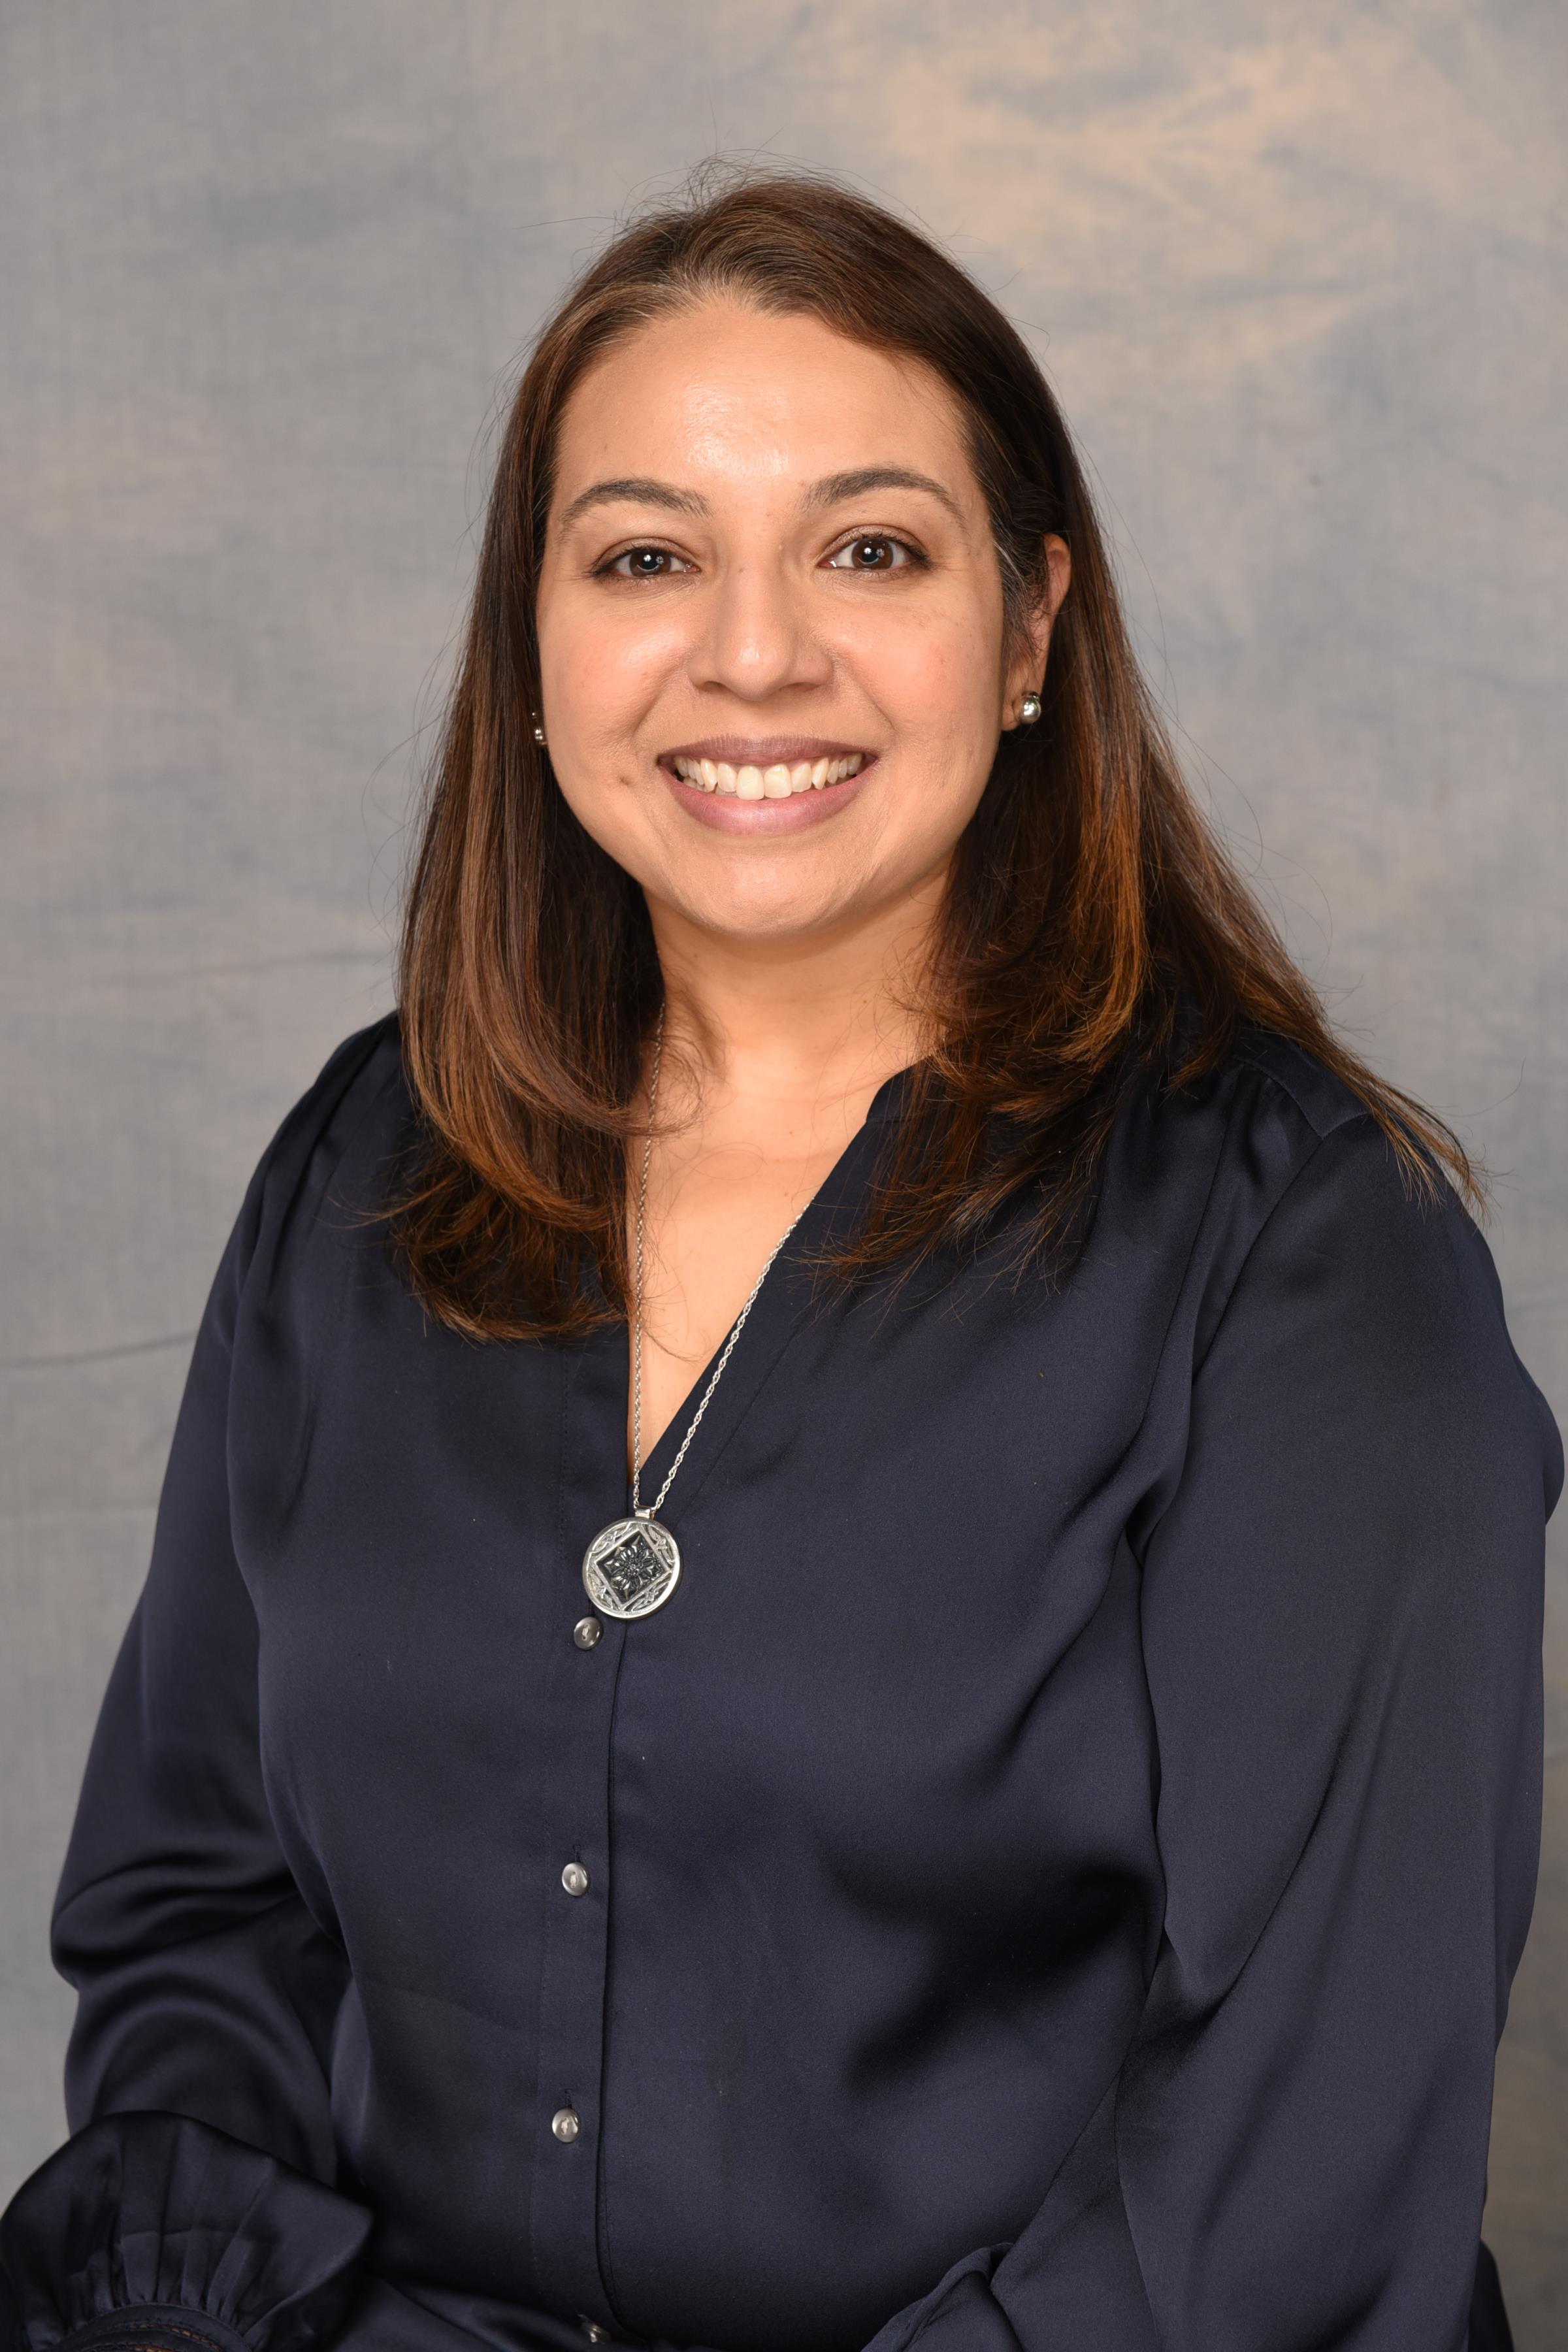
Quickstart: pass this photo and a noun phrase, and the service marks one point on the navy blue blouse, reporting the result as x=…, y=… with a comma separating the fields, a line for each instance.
x=1054, y=1868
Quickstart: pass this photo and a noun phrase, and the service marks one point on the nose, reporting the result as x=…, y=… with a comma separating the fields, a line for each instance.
x=757, y=638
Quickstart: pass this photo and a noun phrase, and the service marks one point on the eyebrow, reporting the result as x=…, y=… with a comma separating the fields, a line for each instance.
x=834, y=488
x=639, y=489
x=642, y=490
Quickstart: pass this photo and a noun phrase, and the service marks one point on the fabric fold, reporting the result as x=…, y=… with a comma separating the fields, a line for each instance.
x=156, y=2229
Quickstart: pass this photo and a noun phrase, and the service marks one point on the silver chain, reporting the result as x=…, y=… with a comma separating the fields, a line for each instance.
x=735, y=1328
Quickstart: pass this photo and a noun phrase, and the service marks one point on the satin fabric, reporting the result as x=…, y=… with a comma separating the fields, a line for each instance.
x=206, y=2240
x=1056, y=1864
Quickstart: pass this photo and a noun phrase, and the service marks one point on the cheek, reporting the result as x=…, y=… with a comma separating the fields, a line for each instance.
x=601, y=667
x=935, y=673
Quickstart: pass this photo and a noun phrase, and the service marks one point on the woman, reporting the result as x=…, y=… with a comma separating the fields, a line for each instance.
x=843, y=1638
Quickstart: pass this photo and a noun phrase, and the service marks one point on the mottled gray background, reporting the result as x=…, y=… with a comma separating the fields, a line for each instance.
x=1298, y=272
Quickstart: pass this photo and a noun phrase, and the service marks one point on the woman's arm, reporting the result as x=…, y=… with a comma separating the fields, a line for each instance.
x=1341, y=1630
x=201, y=2179
x=205, y=1986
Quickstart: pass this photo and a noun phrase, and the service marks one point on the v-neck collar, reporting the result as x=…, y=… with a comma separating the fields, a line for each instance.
x=781, y=1305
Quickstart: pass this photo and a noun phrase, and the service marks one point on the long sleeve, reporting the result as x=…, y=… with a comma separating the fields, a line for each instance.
x=200, y=2182
x=1341, y=1629
x=205, y=1986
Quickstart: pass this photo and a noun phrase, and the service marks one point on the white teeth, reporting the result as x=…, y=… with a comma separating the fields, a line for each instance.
x=773, y=784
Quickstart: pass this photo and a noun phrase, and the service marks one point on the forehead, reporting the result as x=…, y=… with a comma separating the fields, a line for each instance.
x=722, y=398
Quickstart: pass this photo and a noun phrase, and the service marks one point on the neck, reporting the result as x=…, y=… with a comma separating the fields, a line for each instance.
x=807, y=1020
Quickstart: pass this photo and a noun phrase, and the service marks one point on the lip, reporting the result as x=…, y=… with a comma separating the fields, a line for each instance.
x=720, y=812
x=767, y=751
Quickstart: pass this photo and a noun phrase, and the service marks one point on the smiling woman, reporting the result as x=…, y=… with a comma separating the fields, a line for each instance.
x=1020, y=1839
x=779, y=483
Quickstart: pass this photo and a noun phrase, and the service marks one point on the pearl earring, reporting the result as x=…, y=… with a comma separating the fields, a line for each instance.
x=537, y=732
x=1029, y=709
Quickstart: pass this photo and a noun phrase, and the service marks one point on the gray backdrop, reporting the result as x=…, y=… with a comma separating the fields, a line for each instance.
x=1298, y=272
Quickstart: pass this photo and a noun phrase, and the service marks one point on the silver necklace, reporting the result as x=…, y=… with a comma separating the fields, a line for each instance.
x=633, y=1566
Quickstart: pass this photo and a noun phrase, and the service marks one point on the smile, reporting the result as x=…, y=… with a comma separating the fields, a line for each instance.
x=775, y=781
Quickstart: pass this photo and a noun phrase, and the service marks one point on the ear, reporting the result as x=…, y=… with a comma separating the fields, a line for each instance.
x=1028, y=666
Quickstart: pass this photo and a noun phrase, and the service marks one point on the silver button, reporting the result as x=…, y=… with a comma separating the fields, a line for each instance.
x=574, y=1878
x=565, y=2123
x=586, y=1631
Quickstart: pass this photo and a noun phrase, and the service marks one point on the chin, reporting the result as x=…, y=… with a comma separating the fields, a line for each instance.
x=763, y=915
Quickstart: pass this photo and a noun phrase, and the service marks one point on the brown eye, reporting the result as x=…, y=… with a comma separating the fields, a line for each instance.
x=643, y=563
x=872, y=554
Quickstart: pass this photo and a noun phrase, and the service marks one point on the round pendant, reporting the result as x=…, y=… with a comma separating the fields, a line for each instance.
x=631, y=1568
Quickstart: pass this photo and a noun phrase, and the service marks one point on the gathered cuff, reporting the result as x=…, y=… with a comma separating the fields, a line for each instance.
x=154, y=2328
x=153, y=2231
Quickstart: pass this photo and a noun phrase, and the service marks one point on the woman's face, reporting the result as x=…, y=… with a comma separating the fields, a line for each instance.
x=770, y=623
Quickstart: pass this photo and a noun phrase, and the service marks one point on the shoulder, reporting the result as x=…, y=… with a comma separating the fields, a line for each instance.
x=1320, y=1099
x=1272, y=1119
x=1337, y=1182
x=362, y=1074
x=1200, y=1169
x=337, y=1143
x=1347, y=1265
x=1327, y=1302
x=1269, y=1172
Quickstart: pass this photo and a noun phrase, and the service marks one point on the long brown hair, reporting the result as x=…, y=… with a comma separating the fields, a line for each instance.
x=1093, y=927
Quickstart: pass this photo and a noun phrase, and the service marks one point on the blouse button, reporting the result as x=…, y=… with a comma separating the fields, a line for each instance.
x=574, y=1878
x=586, y=1631
x=565, y=2123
